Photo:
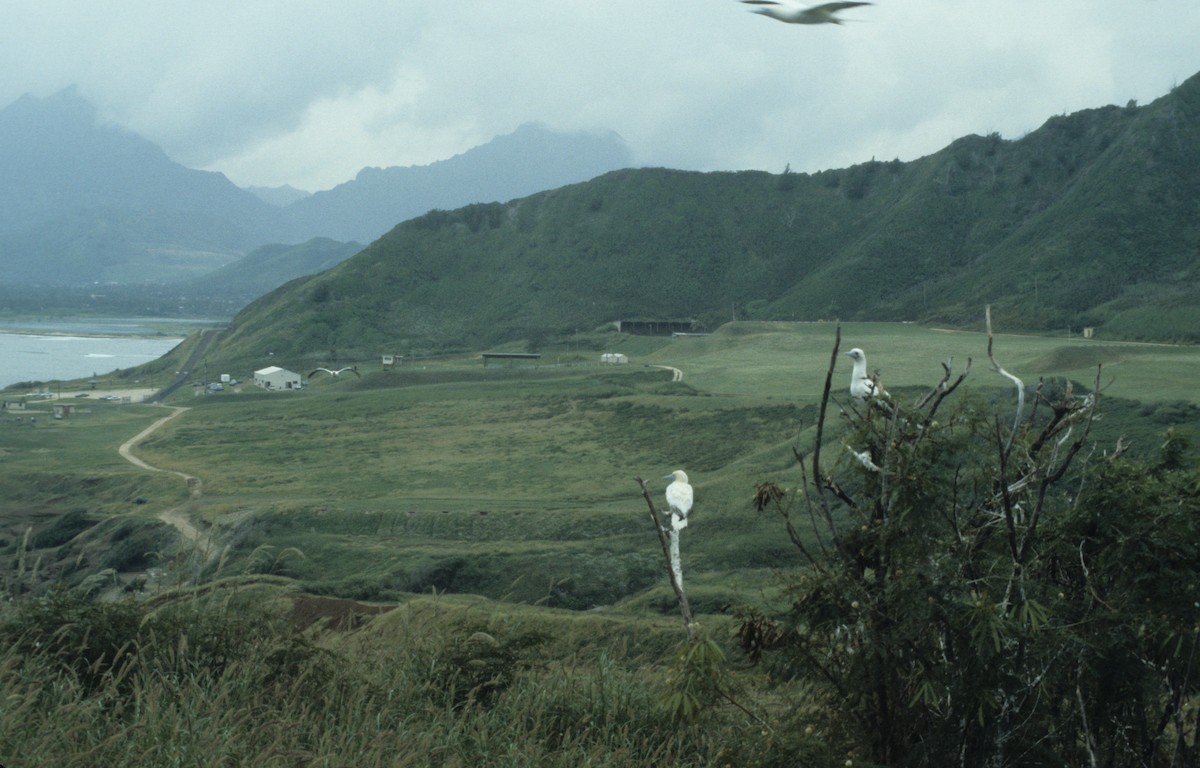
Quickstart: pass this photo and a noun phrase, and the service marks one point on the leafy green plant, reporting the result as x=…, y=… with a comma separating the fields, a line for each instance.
x=975, y=592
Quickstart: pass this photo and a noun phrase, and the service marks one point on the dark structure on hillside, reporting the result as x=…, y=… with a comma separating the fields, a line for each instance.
x=654, y=327
x=510, y=359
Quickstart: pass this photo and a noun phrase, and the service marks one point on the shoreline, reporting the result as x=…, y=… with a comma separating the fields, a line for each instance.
x=108, y=326
x=85, y=335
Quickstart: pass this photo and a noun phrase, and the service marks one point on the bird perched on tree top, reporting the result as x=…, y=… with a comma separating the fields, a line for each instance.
x=679, y=498
x=795, y=14
x=862, y=385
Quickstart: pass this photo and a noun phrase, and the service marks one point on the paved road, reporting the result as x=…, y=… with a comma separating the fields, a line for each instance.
x=206, y=338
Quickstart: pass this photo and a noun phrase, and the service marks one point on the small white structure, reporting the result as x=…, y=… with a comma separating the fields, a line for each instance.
x=274, y=377
x=613, y=358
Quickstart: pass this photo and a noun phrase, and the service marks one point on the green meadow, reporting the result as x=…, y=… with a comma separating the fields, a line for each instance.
x=520, y=483
x=447, y=564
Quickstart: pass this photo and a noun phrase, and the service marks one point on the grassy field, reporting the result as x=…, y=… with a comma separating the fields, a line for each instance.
x=520, y=483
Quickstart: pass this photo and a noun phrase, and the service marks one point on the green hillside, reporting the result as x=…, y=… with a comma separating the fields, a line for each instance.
x=443, y=557
x=1091, y=220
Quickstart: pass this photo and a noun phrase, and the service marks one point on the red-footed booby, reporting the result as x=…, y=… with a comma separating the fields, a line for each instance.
x=861, y=384
x=679, y=498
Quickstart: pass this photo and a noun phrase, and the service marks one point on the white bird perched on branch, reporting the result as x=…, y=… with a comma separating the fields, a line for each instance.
x=795, y=14
x=864, y=458
x=351, y=369
x=862, y=385
x=679, y=498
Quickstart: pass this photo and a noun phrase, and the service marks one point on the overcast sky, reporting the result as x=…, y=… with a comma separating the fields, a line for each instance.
x=274, y=92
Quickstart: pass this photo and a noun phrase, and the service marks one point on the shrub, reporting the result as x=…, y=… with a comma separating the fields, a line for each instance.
x=980, y=595
x=63, y=529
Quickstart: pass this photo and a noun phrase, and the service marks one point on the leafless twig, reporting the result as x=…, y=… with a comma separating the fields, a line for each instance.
x=688, y=622
x=1016, y=382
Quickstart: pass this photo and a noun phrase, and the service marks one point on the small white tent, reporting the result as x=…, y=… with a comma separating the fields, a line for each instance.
x=614, y=358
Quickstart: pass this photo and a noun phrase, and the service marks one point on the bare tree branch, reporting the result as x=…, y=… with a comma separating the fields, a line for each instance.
x=816, y=457
x=684, y=608
x=1016, y=382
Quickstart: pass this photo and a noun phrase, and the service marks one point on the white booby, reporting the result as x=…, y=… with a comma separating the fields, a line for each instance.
x=350, y=368
x=679, y=498
x=862, y=385
x=795, y=14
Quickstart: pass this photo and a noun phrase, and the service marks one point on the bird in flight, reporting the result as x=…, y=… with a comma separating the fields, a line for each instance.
x=795, y=14
x=679, y=498
x=351, y=369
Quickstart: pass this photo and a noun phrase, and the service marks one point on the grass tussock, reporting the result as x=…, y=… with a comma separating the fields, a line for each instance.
x=224, y=678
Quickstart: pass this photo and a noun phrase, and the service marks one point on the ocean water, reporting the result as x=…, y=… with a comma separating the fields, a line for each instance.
x=63, y=355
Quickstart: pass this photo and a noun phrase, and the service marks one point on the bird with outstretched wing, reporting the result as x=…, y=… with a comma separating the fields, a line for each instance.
x=338, y=372
x=791, y=13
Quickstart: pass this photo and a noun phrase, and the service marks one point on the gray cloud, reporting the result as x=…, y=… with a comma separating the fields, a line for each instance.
x=307, y=93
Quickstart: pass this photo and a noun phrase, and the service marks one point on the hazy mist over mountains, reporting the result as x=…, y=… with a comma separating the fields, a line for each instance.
x=1087, y=221
x=531, y=159
x=82, y=202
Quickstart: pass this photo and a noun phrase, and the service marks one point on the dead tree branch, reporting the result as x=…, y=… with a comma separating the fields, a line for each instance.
x=1016, y=382
x=684, y=608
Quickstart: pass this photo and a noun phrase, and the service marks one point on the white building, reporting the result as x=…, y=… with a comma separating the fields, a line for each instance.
x=274, y=377
x=614, y=358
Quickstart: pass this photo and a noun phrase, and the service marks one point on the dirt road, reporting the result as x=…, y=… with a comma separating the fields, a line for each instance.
x=676, y=374
x=176, y=516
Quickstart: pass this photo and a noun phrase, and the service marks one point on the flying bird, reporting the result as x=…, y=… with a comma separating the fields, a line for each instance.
x=795, y=14
x=862, y=385
x=339, y=371
x=679, y=498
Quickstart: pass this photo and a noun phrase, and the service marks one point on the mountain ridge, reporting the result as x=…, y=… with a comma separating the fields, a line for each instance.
x=1074, y=225
x=84, y=202
x=528, y=160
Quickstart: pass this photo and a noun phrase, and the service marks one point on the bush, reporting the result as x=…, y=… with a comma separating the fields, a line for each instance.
x=88, y=639
x=980, y=595
x=63, y=529
x=136, y=545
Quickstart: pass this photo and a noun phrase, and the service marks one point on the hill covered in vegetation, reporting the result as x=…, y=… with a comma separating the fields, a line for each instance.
x=85, y=202
x=1091, y=220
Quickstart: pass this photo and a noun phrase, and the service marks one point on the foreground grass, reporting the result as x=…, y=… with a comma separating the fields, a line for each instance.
x=228, y=678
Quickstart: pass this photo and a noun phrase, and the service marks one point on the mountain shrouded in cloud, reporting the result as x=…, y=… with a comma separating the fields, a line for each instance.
x=82, y=201
x=531, y=159
x=1088, y=221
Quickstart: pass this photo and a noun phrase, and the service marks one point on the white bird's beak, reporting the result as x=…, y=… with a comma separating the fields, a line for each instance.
x=669, y=477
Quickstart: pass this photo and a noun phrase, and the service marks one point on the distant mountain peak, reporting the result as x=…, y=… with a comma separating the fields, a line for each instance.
x=65, y=106
x=533, y=158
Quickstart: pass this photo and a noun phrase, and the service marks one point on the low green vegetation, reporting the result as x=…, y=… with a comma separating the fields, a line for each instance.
x=512, y=603
x=1086, y=222
x=238, y=678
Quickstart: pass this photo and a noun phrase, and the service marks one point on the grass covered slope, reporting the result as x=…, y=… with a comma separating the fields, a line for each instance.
x=519, y=483
x=1085, y=221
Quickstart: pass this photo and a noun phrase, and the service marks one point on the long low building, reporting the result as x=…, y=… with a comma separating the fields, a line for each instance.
x=274, y=377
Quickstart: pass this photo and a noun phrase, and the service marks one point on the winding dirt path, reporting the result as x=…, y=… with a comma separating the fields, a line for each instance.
x=676, y=374
x=175, y=516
